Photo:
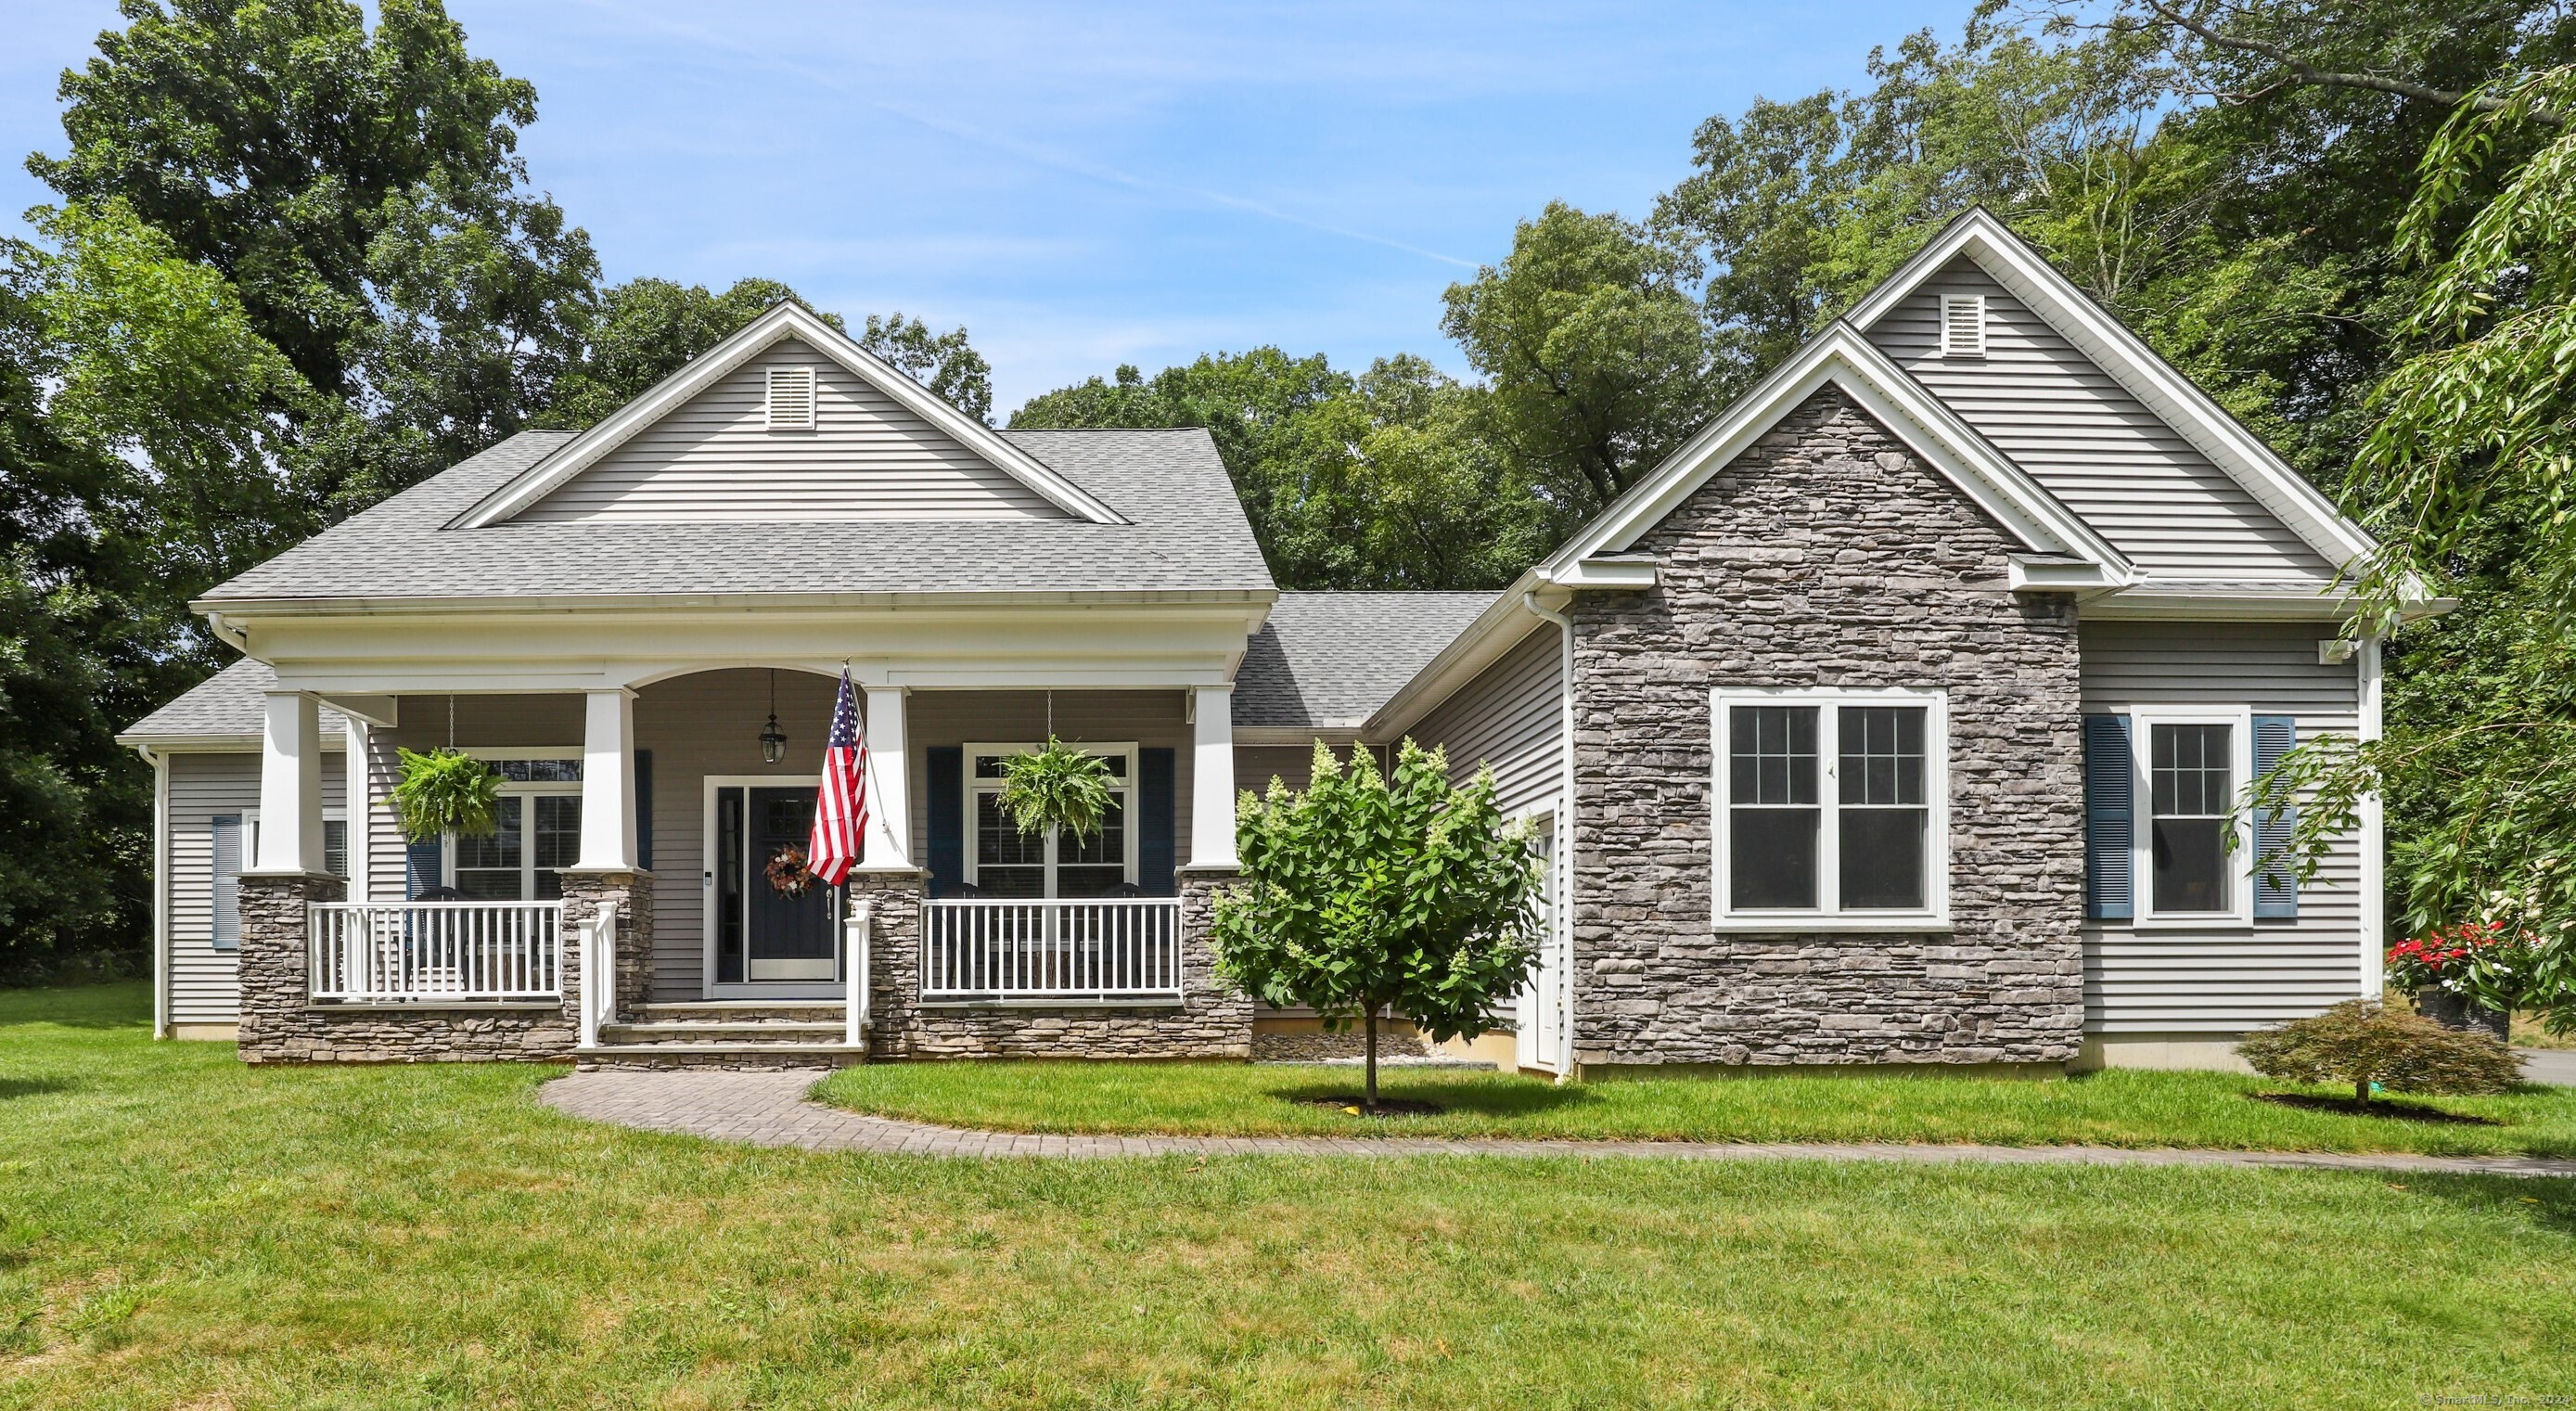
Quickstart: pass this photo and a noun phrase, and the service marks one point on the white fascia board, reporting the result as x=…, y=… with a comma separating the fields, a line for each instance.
x=788, y=320
x=216, y=744
x=1905, y=407
x=1613, y=573
x=2048, y=573
x=2179, y=401
x=1496, y=630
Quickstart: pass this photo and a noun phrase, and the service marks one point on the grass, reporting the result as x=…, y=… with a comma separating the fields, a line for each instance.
x=2119, y=1108
x=178, y=1230
x=2529, y=1032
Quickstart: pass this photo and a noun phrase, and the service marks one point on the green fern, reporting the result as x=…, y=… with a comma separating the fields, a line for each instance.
x=446, y=791
x=1060, y=786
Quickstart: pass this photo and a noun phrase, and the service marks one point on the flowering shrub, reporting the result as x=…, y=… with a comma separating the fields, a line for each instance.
x=2448, y=957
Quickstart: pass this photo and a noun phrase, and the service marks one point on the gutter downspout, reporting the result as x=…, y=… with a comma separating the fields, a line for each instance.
x=1564, y=826
x=160, y=889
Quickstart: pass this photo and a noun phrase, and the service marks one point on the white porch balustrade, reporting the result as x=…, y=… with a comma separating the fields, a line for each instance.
x=442, y=952
x=1098, y=951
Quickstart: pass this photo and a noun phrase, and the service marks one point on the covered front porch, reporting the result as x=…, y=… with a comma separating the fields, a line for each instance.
x=649, y=836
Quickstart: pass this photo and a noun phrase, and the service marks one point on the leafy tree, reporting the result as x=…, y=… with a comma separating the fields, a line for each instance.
x=1593, y=349
x=943, y=362
x=363, y=194
x=2361, y=1043
x=1364, y=894
x=642, y=331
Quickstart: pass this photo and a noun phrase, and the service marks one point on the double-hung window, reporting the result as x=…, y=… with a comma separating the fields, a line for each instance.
x=1002, y=861
x=539, y=833
x=2191, y=765
x=1831, y=808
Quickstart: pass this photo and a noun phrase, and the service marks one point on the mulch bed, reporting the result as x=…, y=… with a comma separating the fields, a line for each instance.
x=1386, y=1106
x=2399, y=1111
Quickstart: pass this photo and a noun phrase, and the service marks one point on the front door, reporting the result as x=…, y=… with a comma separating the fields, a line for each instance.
x=766, y=935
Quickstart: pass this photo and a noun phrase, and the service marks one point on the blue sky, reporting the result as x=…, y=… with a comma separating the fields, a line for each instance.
x=1085, y=185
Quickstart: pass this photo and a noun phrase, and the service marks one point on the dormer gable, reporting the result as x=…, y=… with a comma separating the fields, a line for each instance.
x=788, y=420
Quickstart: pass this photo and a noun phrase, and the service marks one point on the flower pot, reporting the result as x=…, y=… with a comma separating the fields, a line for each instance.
x=2453, y=1011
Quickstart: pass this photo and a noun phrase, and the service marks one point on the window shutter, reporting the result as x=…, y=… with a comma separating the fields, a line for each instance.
x=2276, y=888
x=1155, y=815
x=644, y=809
x=1963, y=325
x=225, y=848
x=944, y=777
x=791, y=399
x=2110, y=891
x=421, y=867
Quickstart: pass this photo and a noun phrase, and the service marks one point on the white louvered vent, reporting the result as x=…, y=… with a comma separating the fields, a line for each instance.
x=1963, y=325
x=791, y=399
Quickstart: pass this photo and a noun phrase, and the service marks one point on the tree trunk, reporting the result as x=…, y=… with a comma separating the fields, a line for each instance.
x=1368, y=1103
x=2361, y=1090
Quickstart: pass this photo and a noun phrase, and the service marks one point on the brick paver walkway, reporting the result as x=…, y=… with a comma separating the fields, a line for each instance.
x=769, y=1109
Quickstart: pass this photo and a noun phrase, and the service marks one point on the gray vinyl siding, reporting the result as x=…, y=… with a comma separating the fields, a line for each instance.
x=709, y=724
x=205, y=983
x=714, y=459
x=480, y=722
x=1510, y=717
x=2080, y=434
x=2226, y=980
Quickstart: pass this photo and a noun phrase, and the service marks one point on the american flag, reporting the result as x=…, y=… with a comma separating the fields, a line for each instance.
x=841, y=808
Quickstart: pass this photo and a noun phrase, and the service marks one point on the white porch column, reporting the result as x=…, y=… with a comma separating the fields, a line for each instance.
x=290, y=785
x=356, y=829
x=1212, y=777
x=608, y=782
x=889, y=840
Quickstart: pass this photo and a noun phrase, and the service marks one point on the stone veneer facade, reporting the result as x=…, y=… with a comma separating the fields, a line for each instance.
x=1826, y=555
x=1209, y=1022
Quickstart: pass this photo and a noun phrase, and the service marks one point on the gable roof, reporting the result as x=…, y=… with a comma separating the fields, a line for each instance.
x=1326, y=661
x=2061, y=548
x=2012, y=262
x=785, y=321
x=1182, y=530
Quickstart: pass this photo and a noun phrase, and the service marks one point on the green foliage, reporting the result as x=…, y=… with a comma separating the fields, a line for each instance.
x=1364, y=894
x=2362, y=1043
x=943, y=362
x=1593, y=348
x=1058, y=786
x=445, y=791
x=637, y=333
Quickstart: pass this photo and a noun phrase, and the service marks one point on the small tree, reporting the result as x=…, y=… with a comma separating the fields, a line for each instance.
x=1363, y=894
x=2361, y=1042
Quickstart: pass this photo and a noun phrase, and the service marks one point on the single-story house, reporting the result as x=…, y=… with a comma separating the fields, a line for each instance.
x=1895, y=719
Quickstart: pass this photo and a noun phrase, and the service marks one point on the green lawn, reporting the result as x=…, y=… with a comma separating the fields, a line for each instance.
x=182, y=1231
x=2125, y=1108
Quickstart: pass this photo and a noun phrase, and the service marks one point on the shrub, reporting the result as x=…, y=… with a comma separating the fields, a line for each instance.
x=2362, y=1042
x=446, y=791
x=1061, y=786
x=1363, y=894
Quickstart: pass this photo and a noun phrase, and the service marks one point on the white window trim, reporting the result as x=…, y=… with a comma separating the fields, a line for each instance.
x=2142, y=845
x=331, y=813
x=1827, y=916
x=1124, y=786
x=512, y=788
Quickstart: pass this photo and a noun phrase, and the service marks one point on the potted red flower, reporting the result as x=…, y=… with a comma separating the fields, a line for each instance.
x=2464, y=976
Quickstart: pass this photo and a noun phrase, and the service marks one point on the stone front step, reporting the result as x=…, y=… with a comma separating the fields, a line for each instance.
x=725, y=1030
x=667, y=1055
x=739, y=1011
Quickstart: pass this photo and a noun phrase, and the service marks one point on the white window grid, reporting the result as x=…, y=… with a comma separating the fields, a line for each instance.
x=1828, y=914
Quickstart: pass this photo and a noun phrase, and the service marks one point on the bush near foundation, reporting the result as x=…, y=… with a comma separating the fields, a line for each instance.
x=2362, y=1042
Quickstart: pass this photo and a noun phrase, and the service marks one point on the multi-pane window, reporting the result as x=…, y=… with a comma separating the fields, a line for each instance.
x=2191, y=780
x=1009, y=863
x=539, y=813
x=1830, y=804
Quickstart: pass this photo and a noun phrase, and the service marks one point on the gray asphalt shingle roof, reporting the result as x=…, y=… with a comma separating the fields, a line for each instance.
x=1188, y=534
x=230, y=702
x=1327, y=659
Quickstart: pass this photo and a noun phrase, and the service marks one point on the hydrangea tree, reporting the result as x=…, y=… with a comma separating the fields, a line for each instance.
x=1366, y=895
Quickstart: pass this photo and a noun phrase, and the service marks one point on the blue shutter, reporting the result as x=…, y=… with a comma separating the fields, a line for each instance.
x=944, y=778
x=2110, y=889
x=2276, y=886
x=644, y=809
x=421, y=867
x=1155, y=848
x=225, y=848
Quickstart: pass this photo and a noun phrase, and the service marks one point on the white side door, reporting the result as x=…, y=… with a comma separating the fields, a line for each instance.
x=1541, y=1032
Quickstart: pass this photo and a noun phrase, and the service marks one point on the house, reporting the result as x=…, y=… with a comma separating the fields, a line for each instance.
x=1895, y=719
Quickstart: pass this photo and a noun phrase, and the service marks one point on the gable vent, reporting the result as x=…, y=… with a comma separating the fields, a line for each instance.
x=791, y=399
x=1963, y=325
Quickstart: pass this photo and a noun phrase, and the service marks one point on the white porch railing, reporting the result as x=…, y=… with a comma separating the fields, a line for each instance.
x=451, y=952
x=1064, y=952
x=598, y=941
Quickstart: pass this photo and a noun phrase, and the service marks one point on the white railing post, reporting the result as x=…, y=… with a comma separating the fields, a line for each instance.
x=854, y=969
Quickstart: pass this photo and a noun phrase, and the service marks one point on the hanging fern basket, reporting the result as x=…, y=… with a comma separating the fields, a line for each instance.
x=446, y=791
x=1059, y=787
